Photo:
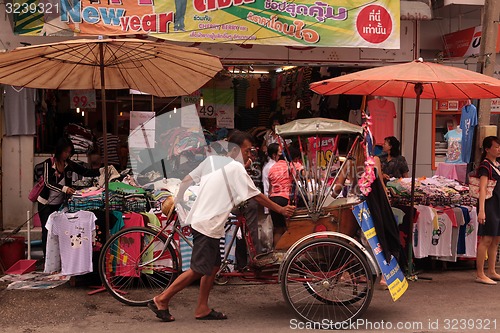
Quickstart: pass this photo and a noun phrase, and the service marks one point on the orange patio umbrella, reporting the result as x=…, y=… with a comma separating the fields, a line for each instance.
x=416, y=79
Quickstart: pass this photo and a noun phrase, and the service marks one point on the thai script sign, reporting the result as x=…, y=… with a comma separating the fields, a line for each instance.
x=344, y=23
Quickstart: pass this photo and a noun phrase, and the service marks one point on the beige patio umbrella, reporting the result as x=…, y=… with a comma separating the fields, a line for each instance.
x=416, y=79
x=160, y=69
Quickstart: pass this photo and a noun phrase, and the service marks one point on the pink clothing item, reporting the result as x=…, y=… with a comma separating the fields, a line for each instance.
x=382, y=113
x=131, y=249
x=455, y=171
x=85, y=194
x=280, y=179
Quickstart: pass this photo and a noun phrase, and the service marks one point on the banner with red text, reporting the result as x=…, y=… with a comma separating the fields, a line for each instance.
x=343, y=23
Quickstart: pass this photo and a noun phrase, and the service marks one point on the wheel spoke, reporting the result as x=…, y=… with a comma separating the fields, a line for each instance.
x=134, y=269
x=327, y=279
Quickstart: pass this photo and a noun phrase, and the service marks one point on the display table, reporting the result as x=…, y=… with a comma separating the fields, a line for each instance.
x=457, y=171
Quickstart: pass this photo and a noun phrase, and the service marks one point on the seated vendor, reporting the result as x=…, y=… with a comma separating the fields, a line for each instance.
x=393, y=163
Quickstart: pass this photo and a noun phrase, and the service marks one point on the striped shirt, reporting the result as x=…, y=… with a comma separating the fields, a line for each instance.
x=113, y=143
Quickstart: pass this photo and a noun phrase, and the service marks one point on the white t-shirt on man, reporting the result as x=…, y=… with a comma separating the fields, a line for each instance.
x=224, y=183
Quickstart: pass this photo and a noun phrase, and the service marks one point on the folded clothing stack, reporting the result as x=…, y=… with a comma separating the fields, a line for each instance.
x=136, y=203
x=87, y=199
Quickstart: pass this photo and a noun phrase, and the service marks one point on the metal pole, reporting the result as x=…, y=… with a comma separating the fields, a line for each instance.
x=105, y=139
x=419, y=88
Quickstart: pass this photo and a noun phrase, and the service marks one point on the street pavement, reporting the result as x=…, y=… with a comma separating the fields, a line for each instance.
x=450, y=302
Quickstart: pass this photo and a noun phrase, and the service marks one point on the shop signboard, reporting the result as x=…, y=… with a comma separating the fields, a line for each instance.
x=142, y=129
x=344, y=23
x=84, y=99
x=450, y=105
x=495, y=105
x=465, y=43
x=391, y=271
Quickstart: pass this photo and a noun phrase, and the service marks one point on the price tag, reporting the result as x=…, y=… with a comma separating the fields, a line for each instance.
x=84, y=99
x=206, y=111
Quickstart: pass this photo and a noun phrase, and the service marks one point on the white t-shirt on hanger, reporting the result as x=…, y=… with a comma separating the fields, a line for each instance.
x=74, y=232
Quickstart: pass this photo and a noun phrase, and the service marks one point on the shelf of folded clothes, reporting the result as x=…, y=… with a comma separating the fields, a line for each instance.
x=433, y=191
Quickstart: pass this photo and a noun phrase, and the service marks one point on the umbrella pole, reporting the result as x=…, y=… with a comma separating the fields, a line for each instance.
x=105, y=140
x=418, y=90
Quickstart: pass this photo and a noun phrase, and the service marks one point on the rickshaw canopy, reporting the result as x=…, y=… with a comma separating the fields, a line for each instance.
x=317, y=126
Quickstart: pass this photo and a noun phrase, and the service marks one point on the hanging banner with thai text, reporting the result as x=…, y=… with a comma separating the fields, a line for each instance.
x=345, y=23
x=391, y=271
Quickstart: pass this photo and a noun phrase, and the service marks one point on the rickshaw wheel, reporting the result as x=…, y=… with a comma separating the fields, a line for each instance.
x=220, y=279
x=327, y=279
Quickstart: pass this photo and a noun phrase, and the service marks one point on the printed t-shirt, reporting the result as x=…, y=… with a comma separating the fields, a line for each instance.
x=471, y=234
x=74, y=241
x=454, y=235
x=422, y=231
x=441, y=238
x=224, y=183
x=382, y=113
x=454, y=152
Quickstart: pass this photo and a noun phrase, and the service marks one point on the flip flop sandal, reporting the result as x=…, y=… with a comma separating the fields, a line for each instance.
x=213, y=315
x=491, y=283
x=164, y=315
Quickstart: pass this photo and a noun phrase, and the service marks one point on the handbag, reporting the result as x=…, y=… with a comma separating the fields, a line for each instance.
x=474, y=184
x=40, y=184
x=36, y=190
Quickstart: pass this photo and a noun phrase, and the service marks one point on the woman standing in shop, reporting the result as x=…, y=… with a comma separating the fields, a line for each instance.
x=393, y=163
x=280, y=188
x=271, y=136
x=57, y=175
x=488, y=214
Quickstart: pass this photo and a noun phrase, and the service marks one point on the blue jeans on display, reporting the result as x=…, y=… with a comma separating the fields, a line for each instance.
x=180, y=12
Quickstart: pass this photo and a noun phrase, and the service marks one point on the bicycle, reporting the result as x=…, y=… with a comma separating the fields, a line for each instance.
x=324, y=274
x=135, y=274
x=140, y=262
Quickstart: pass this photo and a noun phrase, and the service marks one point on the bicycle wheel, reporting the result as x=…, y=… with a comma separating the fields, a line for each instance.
x=327, y=278
x=135, y=265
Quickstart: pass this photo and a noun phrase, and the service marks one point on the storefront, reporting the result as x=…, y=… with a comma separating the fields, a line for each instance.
x=244, y=64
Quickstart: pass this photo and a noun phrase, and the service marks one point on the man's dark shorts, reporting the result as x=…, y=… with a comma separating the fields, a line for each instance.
x=206, y=253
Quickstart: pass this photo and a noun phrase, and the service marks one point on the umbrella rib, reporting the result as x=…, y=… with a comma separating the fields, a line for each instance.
x=144, y=72
x=75, y=64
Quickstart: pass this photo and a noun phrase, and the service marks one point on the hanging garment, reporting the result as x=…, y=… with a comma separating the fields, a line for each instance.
x=382, y=113
x=384, y=221
x=422, y=231
x=70, y=242
x=454, y=236
x=468, y=122
x=454, y=153
x=441, y=238
x=130, y=248
x=19, y=111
